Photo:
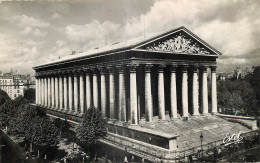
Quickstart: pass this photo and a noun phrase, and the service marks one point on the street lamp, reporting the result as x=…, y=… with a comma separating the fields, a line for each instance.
x=201, y=138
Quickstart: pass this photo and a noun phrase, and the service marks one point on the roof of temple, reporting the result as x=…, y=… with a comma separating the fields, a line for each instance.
x=156, y=43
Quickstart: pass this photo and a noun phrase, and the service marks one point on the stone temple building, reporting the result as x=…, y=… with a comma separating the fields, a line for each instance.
x=135, y=83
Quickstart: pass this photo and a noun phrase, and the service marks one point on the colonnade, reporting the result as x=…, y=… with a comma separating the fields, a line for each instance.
x=75, y=91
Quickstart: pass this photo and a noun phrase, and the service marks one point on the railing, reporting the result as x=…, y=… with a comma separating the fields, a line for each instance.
x=217, y=149
x=211, y=151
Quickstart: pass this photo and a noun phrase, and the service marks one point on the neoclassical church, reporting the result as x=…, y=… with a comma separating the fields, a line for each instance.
x=157, y=79
x=129, y=80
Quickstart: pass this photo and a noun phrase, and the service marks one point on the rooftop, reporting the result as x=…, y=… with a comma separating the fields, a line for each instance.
x=125, y=45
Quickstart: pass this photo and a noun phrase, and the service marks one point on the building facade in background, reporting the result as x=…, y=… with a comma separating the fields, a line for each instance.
x=15, y=84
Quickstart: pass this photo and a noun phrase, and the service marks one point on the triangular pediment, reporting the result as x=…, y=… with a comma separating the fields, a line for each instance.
x=178, y=41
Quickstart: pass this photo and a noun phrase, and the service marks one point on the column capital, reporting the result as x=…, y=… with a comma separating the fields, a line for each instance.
x=194, y=68
x=81, y=72
x=213, y=68
x=204, y=68
x=68, y=73
x=64, y=73
x=87, y=70
x=161, y=67
x=147, y=68
x=173, y=68
x=120, y=68
x=111, y=68
x=102, y=70
x=94, y=70
x=184, y=68
x=132, y=67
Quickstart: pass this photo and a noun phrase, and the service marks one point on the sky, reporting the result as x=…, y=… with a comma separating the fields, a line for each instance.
x=36, y=32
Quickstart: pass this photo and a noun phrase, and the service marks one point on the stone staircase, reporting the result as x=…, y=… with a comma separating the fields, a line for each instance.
x=212, y=127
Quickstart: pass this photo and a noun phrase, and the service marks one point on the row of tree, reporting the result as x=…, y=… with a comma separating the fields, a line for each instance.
x=32, y=124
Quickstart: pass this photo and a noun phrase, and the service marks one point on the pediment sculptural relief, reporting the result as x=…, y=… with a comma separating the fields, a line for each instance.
x=178, y=44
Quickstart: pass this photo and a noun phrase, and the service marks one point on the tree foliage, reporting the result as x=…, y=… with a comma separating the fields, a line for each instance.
x=4, y=97
x=29, y=94
x=62, y=125
x=43, y=132
x=92, y=128
x=238, y=95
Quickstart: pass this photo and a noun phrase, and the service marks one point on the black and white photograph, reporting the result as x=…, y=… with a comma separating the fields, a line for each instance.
x=85, y=81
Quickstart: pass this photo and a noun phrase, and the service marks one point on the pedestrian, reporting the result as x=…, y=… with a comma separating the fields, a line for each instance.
x=186, y=159
x=125, y=160
x=190, y=158
x=198, y=154
x=219, y=152
x=132, y=158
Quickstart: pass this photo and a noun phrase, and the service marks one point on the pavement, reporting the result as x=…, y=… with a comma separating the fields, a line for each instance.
x=240, y=155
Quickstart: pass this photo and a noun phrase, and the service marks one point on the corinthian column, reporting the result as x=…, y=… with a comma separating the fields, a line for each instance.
x=56, y=93
x=214, y=89
x=204, y=90
x=37, y=91
x=122, y=99
x=95, y=88
x=81, y=93
x=174, y=113
x=49, y=91
x=45, y=92
x=60, y=92
x=70, y=93
x=133, y=95
x=161, y=99
x=195, y=89
x=65, y=93
x=148, y=93
x=52, y=92
x=88, y=90
x=103, y=91
x=112, y=104
x=185, y=111
x=76, y=96
x=42, y=92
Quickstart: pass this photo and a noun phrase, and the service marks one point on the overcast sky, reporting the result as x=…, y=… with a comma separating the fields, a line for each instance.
x=33, y=33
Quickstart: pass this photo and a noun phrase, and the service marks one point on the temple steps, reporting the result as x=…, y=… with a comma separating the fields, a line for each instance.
x=212, y=127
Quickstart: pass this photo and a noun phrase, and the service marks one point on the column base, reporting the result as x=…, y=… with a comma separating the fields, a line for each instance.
x=205, y=114
x=81, y=114
x=134, y=124
x=74, y=112
x=112, y=121
x=214, y=113
x=174, y=119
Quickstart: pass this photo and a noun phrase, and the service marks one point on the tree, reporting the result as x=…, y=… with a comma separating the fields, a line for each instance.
x=43, y=132
x=4, y=97
x=238, y=95
x=29, y=94
x=92, y=128
x=62, y=125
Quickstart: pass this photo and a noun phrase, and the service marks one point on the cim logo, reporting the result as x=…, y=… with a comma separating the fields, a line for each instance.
x=232, y=139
